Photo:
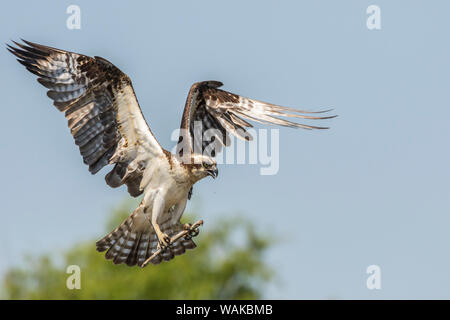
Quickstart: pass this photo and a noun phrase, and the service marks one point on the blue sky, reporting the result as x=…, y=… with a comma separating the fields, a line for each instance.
x=373, y=189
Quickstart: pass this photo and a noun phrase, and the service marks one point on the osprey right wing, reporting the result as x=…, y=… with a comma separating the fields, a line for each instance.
x=100, y=105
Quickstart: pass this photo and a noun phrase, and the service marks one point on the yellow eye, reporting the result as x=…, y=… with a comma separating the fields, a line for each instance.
x=206, y=165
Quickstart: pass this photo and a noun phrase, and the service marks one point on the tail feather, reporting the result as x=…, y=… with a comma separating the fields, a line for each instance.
x=135, y=240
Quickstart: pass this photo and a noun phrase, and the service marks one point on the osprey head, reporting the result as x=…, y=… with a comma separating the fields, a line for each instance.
x=203, y=166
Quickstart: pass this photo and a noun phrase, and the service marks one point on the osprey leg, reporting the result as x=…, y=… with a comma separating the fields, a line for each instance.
x=158, y=209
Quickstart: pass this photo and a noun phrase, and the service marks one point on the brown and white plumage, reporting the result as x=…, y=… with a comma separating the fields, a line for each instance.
x=227, y=113
x=99, y=103
x=133, y=241
x=107, y=124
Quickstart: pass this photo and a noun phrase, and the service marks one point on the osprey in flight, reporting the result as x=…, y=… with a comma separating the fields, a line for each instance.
x=107, y=124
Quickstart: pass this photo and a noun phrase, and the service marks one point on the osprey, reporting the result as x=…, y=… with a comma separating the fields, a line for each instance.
x=107, y=124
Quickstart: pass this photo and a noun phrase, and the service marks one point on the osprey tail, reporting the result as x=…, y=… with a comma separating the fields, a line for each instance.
x=135, y=240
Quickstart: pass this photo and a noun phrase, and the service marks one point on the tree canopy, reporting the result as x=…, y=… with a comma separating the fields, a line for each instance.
x=227, y=264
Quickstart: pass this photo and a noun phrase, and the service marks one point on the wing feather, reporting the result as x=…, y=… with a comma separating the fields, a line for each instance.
x=227, y=112
x=101, y=108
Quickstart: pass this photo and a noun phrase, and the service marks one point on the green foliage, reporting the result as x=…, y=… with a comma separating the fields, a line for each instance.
x=218, y=268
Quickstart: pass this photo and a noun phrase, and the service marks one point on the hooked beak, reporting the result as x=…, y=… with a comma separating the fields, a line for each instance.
x=213, y=173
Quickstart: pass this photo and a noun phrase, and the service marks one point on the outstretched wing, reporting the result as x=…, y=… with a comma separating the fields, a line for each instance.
x=208, y=107
x=100, y=105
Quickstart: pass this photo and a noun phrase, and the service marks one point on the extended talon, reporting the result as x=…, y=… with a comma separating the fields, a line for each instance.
x=194, y=232
x=187, y=226
x=191, y=232
x=163, y=241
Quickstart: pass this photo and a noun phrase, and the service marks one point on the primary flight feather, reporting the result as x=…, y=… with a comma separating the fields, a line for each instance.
x=107, y=124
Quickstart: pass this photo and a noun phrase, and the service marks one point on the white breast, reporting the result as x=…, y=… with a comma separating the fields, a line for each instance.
x=173, y=182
